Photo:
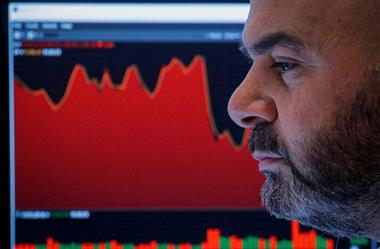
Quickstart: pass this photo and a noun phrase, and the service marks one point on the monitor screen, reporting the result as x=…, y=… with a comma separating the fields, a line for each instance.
x=119, y=132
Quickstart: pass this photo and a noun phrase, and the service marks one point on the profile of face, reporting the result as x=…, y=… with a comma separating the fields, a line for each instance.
x=312, y=100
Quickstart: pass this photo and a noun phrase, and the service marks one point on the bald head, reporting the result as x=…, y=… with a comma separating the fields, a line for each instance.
x=354, y=21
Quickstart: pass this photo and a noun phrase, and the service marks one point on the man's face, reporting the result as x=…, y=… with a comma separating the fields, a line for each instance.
x=312, y=99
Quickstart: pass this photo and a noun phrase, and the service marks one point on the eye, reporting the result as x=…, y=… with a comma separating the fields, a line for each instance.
x=284, y=67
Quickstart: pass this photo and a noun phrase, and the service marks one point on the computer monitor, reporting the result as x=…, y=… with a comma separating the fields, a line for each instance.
x=119, y=134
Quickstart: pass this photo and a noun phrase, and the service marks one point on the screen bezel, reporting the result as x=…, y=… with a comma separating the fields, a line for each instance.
x=5, y=193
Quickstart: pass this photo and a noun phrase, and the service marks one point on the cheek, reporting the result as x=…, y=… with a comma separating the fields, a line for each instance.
x=301, y=114
x=294, y=130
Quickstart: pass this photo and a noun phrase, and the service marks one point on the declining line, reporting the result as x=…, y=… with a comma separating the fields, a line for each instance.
x=133, y=70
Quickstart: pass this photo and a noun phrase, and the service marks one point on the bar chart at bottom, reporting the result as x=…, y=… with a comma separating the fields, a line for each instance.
x=168, y=229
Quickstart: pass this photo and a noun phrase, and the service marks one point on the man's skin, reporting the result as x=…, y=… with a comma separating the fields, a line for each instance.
x=312, y=100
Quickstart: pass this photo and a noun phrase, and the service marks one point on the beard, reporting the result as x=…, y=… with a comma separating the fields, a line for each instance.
x=340, y=193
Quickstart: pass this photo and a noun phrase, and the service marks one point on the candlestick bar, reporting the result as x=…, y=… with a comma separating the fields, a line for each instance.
x=214, y=240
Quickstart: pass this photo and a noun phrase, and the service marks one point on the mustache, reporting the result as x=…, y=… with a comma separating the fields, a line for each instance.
x=264, y=138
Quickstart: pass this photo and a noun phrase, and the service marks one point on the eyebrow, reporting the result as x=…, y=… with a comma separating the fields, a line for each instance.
x=269, y=42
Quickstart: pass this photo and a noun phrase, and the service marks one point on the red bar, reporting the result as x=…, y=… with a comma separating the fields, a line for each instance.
x=295, y=230
x=138, y=246
x=171, y=246
x=261, y=243
x=90, y=245
x=313, y=239
x=153, y=245
x=236, y=243
x=185, y=246
x=272, y=242
x=102, y=245
x=19, y=246
x=330, y=244
x=213, y=238
x=204, y=245
x=303, y=240
x=113, y=244
x=50, y=243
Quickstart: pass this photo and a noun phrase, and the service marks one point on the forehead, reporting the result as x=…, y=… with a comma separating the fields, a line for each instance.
x=307, y=7
x=308, y=20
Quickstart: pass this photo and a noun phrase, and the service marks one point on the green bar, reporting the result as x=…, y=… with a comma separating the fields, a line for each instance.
x=75, y=245
x=126, y=246
x=251, y=242
x=161, y=246
x=108, y=245
x=71, y=245
x=284, y=244
x=360, y=241
x=224, y=243
x=267, y=244
x=321, y=243
x=96, y=245
x=60, y=214
x=196, y=246
x=41, y=246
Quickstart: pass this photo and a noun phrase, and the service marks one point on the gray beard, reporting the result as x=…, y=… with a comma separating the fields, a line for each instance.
x=341, y=192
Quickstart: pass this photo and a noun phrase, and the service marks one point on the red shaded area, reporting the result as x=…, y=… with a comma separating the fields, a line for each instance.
x=108, y=146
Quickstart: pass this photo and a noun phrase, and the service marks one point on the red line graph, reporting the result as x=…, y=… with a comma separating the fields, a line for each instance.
x=107, y=145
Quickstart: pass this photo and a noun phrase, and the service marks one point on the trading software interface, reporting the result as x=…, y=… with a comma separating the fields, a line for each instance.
x=120, y=136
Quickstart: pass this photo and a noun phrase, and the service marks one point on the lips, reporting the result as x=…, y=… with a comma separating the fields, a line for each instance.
x=267, y=161
x=261, y=156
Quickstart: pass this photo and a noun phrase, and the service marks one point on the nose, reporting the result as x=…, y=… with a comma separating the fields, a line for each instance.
x=250, y=104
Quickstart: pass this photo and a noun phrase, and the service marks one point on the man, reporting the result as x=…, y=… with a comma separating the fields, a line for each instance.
x=312, y=100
